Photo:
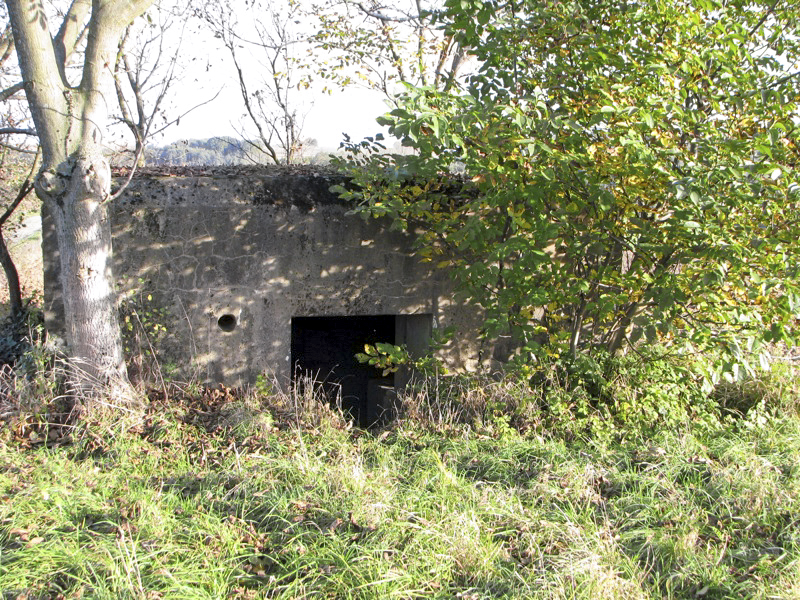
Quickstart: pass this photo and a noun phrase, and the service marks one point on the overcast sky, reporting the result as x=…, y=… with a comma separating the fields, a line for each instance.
x=352, y=111
x=206, y=69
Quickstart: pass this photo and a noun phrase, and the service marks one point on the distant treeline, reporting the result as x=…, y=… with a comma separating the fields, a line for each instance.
x=210, y=151
x=215, y=151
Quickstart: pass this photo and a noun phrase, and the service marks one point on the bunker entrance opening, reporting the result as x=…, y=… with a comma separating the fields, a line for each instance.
x=324, y=352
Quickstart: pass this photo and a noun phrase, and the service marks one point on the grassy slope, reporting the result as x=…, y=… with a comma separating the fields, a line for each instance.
x=162, y=508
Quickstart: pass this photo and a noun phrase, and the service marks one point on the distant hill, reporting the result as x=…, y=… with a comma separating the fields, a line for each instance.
x=215, y=151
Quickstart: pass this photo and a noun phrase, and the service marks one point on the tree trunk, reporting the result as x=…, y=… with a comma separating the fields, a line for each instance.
x=12, y=277
x=138, y=153
x=620, y=332
x=83, y=232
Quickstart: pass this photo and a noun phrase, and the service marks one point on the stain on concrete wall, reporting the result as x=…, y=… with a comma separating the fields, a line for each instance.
x=230, y=261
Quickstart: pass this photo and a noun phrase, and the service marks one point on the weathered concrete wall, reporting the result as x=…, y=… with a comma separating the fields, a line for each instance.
x=264, y=249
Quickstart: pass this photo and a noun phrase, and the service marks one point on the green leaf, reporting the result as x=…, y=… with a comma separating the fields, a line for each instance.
x=658, y=179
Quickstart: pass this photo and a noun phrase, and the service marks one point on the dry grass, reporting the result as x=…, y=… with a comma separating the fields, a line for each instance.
x=213, y=493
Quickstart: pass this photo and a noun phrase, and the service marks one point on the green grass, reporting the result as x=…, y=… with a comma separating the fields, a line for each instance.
x=216, y=501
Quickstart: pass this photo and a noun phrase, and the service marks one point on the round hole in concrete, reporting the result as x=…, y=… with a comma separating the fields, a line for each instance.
x=227, y=322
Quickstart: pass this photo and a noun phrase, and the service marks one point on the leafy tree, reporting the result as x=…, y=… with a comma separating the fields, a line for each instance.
x=381, y=46
x=613, y=172
x=74, y=181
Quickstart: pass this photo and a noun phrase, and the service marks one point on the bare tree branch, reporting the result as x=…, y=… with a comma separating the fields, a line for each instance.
x=184, y=113
x=266, y=140
x=71, y=32
x=24, y=189
x=10, y=269
x=271, y=104
x=8, y=92
x=17, y=131
x=380, y=16
x=17, y=148
x=135, y=67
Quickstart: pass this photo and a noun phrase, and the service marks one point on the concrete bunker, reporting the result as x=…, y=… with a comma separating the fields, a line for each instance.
x=324, y=354
x=258, y=271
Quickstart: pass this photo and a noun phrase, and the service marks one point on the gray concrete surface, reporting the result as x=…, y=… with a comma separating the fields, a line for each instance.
x=224, y=265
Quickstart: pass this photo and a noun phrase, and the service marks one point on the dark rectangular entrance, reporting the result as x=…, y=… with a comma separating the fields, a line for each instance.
x=324, y=348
